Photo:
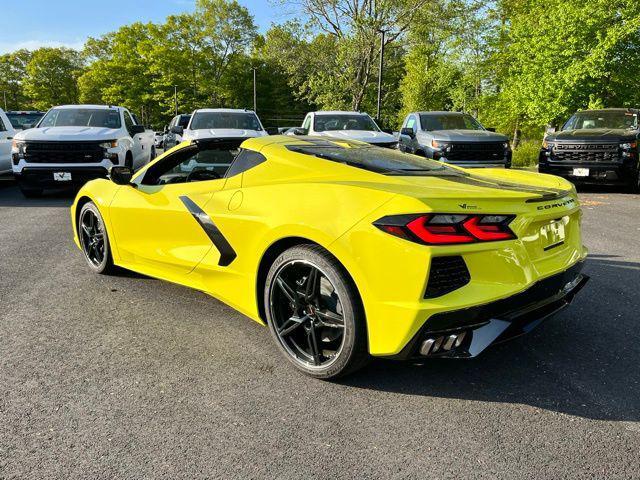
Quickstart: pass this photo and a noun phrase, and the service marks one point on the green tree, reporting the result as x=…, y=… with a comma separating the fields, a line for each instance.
x=51, y=77
x=13, y=70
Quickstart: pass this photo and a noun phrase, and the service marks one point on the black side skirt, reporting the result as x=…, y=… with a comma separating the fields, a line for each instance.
x=227, y=253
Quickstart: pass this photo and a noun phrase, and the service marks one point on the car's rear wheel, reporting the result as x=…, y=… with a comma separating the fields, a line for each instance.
x=94, y=239
x=315, y=314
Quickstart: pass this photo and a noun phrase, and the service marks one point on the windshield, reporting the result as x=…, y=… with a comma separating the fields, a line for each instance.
x=237, y=120
x=327, y=123
x=81, y=117
x=369, y=157
x=615, y=119
x=19, y=120
x=447, y=121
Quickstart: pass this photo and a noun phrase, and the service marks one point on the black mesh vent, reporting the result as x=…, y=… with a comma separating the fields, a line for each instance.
x=476, y=151
x=446, y=275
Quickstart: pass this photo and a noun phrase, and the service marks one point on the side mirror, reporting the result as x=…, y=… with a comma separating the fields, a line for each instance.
x=272, y=130
x=408, y=132
x=551, y=128
x=136, y=129
x=387, y=130
x=178, y=130
x=121, y=175
x=491, y=129
x=300, y=131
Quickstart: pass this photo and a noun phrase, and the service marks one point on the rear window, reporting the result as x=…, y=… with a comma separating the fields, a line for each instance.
x=369, y=157
x=19, y=120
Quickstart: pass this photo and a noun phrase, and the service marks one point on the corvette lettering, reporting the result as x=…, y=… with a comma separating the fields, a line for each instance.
x=569, y=201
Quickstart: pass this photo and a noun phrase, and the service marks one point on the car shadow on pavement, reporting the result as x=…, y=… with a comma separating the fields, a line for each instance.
x=10, y=196
x=584, y=361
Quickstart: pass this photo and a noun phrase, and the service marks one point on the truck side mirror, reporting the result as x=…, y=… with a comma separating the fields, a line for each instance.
x=408, y=132
x=121, y=175
x=300, y=131
x=272, y=130
x=136, y=129
x=551, y=129
x=178, y=130
x=491, y=129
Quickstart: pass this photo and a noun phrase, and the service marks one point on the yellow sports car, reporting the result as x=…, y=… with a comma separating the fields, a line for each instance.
x=343, y=249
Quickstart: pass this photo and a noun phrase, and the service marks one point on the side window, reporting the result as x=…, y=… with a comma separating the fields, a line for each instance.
x=191, y=165
x=2, y=127
x=172, y=123
x=412, y=124
x=245, y=160
x=307, y=122
x=128, y=121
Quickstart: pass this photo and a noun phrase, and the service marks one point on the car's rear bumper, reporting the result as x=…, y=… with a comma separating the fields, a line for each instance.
x=468, y=332
x=43, y=177
x=600, y=174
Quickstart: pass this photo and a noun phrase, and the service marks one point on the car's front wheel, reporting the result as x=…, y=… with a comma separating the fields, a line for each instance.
x=315, y=314
x=94, y=239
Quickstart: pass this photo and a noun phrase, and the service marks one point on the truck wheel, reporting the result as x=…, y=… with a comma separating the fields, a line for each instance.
x=153, y=154
x=635, y=185
x=30, y=192
x=128, y=161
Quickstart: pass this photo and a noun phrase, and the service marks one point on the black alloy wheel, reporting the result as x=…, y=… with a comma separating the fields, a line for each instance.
x=314, y=313
x=93, y=239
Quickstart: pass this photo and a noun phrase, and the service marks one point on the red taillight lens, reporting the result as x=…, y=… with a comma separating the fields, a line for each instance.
x=442, y=229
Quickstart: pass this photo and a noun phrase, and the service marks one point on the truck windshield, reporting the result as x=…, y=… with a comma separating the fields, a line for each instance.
x=20, y=119
x=236, y=120
x=613, y=119
x=326, y=123
x=447, y=121
x=81, y=117
x=369, y=157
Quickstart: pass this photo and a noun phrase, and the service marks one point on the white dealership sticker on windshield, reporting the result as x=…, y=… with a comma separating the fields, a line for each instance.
x=580, y=172
x=62, y=176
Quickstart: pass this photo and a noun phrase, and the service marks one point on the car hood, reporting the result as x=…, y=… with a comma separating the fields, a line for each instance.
x=612, y=134
x=57, y=134
x=221, y=133
x=467, y=136
x=368, y=136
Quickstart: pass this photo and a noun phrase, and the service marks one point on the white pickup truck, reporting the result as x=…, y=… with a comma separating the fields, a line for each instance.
x=76, y=143
x=6, y=137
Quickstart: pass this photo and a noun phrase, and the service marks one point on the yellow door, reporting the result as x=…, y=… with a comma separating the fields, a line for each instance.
x=155, y=226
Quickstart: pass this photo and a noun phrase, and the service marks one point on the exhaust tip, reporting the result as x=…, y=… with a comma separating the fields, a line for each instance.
x=441, y=344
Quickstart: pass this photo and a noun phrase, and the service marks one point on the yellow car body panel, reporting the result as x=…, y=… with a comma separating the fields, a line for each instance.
x=297, y=196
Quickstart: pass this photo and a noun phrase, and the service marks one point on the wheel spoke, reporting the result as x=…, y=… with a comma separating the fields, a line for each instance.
x=287, y=290
x=313, y=345
x=312, y=287
x=330, y=319
x=86, y=230
x=292, y=324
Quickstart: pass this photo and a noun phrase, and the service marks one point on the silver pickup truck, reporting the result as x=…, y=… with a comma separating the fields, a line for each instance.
x=454, y=137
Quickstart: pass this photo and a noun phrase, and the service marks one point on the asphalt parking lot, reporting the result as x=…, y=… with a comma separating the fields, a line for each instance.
x=131, y=377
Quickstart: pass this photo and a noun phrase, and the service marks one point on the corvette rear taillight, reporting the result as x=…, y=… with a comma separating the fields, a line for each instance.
x=448, y=229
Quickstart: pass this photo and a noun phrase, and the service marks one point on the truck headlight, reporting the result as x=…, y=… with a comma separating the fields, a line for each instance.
x=18, y=147
x=628, y=145
x=106, y=146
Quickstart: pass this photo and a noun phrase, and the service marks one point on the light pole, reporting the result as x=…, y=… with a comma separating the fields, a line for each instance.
x=382, y=32
x=5, y=100
x=175, y=97
x=255, y=96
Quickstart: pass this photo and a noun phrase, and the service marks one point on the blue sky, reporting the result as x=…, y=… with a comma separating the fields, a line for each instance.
x=35, y=23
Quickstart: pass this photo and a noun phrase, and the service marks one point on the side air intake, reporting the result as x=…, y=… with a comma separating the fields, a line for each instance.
x=446, y=275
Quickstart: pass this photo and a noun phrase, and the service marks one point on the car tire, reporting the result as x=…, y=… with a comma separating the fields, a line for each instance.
x=128, y=160
x=94, y=240
x=153, y=154
x=321, y=309
x=635, y=184
x=30, y=192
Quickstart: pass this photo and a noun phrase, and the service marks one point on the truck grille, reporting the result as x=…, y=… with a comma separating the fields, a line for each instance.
x=63, y=152
x=446, y=275
x=482, y=151
x=585, y=153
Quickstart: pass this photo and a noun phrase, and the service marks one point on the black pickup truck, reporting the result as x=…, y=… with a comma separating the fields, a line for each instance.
x=595, y=146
